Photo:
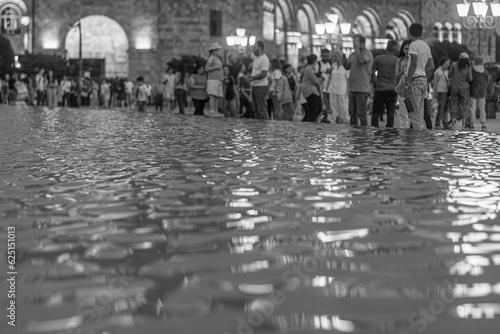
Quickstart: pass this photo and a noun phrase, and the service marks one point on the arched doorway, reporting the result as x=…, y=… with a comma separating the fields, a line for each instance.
x=367, y=24
x=397, y=28
x=12, y=13
x=103, y=41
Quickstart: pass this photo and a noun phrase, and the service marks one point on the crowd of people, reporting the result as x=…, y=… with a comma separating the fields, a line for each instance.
x=400, y=83
x=45, y=89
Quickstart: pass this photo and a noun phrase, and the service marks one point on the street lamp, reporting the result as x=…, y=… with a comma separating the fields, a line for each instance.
x=345, y=30
x=480, y=17
x=25, y=21
x=240, y=40
x=330, y=29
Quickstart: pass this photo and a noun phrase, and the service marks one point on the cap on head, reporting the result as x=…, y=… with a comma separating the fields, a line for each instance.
x=214, y=46
x=464, y=55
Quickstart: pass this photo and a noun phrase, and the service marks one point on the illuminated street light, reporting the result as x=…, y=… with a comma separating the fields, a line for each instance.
x=240, y=41
x=25, y=20
x=479, y=18
x=320, y=29
x=345, y=28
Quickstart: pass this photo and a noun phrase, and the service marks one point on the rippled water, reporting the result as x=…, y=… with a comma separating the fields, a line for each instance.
x=157, y=223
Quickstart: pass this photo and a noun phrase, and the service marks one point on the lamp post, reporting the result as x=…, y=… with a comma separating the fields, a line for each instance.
x=480, y=18
x=334, y=36
x=25, y=21
x=80, y=61
x=240, y=41
x=345, y=29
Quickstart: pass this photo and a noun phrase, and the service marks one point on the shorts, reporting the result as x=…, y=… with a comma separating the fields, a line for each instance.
x=214, y=88
x=169, y=94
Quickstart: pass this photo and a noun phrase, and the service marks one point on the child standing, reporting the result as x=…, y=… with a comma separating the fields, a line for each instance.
x=142, y=95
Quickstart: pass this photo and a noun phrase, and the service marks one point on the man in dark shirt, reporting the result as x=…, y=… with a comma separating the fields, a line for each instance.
x=384, y=82
x=360, y=66
x=13, y=90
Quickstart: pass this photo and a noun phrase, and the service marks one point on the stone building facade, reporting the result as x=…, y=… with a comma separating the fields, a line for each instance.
x=138, y=37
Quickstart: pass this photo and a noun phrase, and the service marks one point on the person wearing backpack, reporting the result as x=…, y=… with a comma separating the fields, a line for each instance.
x=478, y=89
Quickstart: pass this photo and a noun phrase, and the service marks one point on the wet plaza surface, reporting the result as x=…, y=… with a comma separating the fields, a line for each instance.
x=158, y=223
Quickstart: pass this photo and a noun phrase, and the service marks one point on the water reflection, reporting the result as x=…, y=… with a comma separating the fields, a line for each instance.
x=133, y=222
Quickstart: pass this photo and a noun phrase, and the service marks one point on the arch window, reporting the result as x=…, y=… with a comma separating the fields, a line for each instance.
x=280, y=26
x=268, y=22
x=10, y=19
x=103, y=39
x=437, y=31
x=303, y=27
x=447, y=32
x=457, y=33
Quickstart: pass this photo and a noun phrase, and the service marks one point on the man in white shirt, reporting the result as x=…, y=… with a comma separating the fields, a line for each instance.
x=420, y=69
x=129, y=91
x=259, y=82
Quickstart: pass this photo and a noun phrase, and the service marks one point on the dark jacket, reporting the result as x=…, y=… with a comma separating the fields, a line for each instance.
x=479, y=84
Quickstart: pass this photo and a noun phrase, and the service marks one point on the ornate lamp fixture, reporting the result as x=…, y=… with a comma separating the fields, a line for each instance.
x=484, y=14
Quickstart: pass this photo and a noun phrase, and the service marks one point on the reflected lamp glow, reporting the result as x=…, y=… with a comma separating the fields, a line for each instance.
x=244, y=41
x=463, y=9
x=345, y=28
x=25, y=20
x=240, y=32
x=480, y=8
x=143, y=43
x=320, y=29
x=252, y=40
x=50, y=43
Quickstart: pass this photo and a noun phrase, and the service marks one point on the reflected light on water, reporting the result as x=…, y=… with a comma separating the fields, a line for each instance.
x=472, y=265
x=321, y=281
x=475, y=290
x=250, y=267
x=184, y=216
x=333, y=236
x=478, y=311
x=326, y=322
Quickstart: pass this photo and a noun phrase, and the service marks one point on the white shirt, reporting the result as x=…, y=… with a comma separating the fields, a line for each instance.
x=260, y=65
x=324, y=77
x=41, y=82
x=129, y=87
x=275, y=76
x=66, y=86
x=339, y=80
x=423, y=52
x=170, y=78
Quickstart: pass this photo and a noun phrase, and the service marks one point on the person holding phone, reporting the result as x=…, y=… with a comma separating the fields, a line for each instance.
x=360, y=66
